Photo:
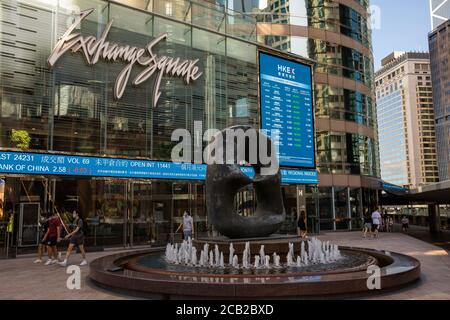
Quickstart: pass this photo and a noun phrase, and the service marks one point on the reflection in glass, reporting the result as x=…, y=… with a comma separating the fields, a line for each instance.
x=326, y=214
x=341, y=207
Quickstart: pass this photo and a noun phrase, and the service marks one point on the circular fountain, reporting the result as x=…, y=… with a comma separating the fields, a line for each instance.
x=259, y=266
x=304, y=269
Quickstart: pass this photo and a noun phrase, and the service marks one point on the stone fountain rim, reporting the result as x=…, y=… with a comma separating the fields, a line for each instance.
x=139, y=284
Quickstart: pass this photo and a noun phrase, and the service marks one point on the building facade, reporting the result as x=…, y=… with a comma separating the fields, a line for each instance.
x=406, y=120
x=439, y=11
x=439, y=42
x=337, y=35
x=70, y=110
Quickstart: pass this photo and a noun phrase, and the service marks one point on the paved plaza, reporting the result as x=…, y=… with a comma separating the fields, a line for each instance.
x=21, y=279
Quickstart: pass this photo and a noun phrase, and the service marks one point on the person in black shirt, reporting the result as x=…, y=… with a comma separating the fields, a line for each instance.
x=301, y=225
x=76, y=239
x=367, y=224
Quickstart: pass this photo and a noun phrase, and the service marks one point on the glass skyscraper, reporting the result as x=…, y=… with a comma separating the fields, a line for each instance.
x=406, y=120
x=439, y=42
x=440, y=12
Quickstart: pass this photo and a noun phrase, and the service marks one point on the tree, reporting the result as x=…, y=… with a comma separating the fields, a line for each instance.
x=21, y=138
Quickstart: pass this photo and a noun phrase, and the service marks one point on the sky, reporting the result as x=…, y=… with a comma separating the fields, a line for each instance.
x=404, y=26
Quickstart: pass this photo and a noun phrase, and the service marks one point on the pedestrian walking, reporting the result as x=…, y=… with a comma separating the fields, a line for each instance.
x=405, y=224
x=301, y=225
x=376, y=221
x=367, y=224
x=52, y=238
x=187, y=225
x=76, y=239
x=43, y=227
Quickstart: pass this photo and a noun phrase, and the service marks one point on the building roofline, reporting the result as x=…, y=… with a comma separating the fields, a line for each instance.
x=404, y=57
x=439, y=28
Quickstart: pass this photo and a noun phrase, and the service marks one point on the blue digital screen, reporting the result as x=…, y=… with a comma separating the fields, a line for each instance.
x=286, y=106
x=65, y=165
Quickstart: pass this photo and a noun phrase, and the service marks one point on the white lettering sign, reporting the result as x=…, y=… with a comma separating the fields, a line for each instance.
x=94, y=49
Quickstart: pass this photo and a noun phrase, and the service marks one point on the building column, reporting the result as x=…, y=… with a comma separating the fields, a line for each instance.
x=434, y=218
x=333, y=202
x=349, y=210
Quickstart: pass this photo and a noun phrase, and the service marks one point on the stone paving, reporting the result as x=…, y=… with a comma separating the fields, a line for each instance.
x=21, y=279
x=435, y=263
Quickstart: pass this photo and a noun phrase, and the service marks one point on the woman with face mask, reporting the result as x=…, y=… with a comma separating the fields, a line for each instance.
x=76, y=239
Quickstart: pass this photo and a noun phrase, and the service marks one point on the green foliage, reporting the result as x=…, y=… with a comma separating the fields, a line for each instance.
x=21, y=138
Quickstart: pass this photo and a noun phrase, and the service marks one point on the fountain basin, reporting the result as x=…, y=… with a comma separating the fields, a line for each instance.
x=130, y=273
x=154, y=263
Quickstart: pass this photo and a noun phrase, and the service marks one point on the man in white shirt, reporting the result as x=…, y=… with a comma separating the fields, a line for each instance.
x=188, y=226
x=376, y=221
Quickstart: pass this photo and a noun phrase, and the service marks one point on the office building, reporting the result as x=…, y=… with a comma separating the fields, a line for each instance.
x=406, y=120
x=439, y=42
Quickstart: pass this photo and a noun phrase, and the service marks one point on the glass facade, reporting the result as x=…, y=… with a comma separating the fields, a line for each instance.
x=343, y=91
x=406, y=120
x=392, y=138
x=344, y=104
x=70, y=108
x=439, y=42
x=346, y=153
x=341, y=61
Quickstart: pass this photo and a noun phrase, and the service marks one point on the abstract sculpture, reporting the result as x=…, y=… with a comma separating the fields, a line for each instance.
x=223, y=181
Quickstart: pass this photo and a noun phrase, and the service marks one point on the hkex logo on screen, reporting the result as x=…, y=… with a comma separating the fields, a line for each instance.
x=286, y=69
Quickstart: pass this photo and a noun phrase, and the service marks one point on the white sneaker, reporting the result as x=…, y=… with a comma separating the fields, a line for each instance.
x=48, y=262
x=37, y=261
x=83, y=263
x=55, y=261
x=63, y=264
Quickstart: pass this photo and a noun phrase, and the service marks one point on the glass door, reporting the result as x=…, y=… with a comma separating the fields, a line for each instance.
x=291, y=206
x=33, y=198
x=326, y=209
x=162, y=211
x=110, y=207
x=312, y=209
x=29, y=215
x=181, y=201
x=142, y=229
x=4, y=236
x=10, y=188
x=341, y=207
x=199, y=208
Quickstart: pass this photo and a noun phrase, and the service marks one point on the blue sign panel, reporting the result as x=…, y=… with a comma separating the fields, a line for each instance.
x=286, y=106
x=393, y=188
x=55, y=164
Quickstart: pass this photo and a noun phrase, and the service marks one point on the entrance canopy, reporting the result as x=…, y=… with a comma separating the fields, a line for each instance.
x=438, y=193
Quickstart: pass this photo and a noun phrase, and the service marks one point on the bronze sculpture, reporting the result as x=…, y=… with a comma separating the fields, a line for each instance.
x=223, y=181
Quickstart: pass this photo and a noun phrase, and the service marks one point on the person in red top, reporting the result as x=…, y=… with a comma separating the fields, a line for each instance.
x=53, y=236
